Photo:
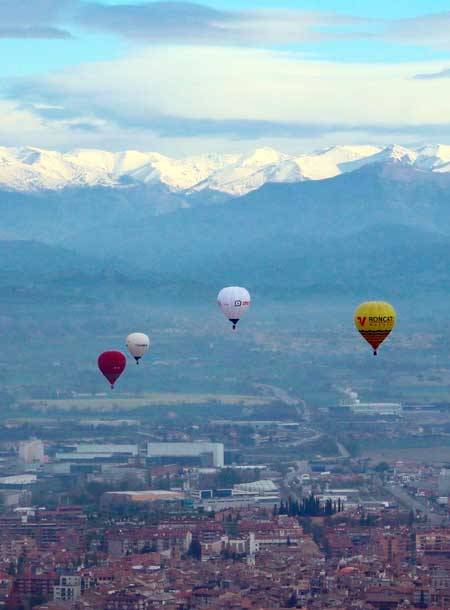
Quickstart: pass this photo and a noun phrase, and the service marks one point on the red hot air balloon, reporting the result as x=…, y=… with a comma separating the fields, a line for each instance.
x=112, y=365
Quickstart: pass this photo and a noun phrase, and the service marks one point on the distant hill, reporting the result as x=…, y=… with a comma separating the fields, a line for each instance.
x=375, y=220
x=82, y=266
x=382, y=228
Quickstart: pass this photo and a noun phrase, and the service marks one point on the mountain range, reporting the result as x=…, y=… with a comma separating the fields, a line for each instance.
x=340, y=224
x=30, y=169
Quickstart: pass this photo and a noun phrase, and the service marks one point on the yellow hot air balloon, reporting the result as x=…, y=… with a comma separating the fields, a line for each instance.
x=375, y=320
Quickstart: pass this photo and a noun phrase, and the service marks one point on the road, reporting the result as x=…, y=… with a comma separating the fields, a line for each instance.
x=305, y=441
x=279, y=393
x=301, y=467
x=415, y=504
x=342, y=450
x=302, y=409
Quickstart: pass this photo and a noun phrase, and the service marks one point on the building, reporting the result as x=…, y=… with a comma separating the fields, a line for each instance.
x=433, y=542
x=245, y=423
x=394, y=547
x=87, y=452
x=18, y=481
x=372, y=408
x=130, y=539
x=69, y=588
x=15, y=497
x=31, y=451
x=203, y=453
x=112, y=473
x=221, y=499
x=141, y=497
x=113, y=448
x=262, y=488
x=444, y=482
x=30, y=585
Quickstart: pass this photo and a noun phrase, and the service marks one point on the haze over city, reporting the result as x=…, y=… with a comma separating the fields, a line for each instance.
x=225, y=236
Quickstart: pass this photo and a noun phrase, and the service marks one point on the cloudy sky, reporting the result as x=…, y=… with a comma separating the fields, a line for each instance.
x=223, y=75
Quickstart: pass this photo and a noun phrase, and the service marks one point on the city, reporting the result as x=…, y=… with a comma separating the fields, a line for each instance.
x=248, y=512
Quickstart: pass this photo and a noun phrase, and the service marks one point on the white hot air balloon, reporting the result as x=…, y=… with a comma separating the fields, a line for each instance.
x=234, y=302
x=137, y=345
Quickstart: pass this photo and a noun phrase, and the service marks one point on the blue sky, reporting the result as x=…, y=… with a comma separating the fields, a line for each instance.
x=223, y=75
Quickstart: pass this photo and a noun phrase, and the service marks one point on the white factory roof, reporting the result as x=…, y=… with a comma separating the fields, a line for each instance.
x=264, y=486
x=19, y=479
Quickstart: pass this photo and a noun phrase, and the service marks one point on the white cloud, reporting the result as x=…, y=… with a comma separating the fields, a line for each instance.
x=171, y=22
x=34, y=18
x=186, y=22
x=246, y=84
x=16, y=122
x=432, y=30
x=195, y=94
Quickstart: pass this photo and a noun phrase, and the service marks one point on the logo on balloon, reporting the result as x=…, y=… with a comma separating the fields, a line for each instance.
x=362, y=321
x=237, y=303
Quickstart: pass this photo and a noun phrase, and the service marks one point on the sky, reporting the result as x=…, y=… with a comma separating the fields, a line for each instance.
x=223, y=75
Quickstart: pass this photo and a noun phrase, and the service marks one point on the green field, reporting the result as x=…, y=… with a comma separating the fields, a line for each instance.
x=152, y=399
x=416, y=454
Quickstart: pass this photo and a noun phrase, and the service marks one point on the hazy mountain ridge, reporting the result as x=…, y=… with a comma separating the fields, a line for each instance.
x=381, y=229
x=55, y=216
x=30, y=169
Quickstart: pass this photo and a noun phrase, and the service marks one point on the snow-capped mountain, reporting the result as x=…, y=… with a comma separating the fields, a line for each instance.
x=335, y=160
x=250, y=172
x=33, y=169
x=27, y=169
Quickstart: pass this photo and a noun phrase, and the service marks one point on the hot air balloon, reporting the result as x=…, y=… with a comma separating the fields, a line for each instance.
x=375, y=320
x=234, y=302
x=137, y=344
x=112, y=365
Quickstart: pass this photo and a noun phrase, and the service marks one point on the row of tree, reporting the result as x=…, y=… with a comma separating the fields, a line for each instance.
x=310, y=506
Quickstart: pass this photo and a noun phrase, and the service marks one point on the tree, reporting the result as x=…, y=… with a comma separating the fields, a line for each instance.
x=312, y=507
x=292, y=601
x=36, y=600
x=227, y=477
x=195, y=550
x=422, y=603
x=382, y=467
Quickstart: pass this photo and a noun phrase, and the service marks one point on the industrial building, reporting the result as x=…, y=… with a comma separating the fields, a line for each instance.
x=97, y=452
x=372, y=408
x=199, y=453
x=263, y=488
x=141, y=497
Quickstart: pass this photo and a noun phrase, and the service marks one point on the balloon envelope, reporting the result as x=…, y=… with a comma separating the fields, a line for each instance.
x=375, y=320
x=112, y=364
x=137, y=344
x=234, y=302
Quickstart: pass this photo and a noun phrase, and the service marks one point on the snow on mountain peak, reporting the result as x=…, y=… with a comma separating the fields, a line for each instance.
x=250, y=172
x=263, y=156
x=434, y=157
x=334, y=160
x=32, y=168
x=400, y=153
